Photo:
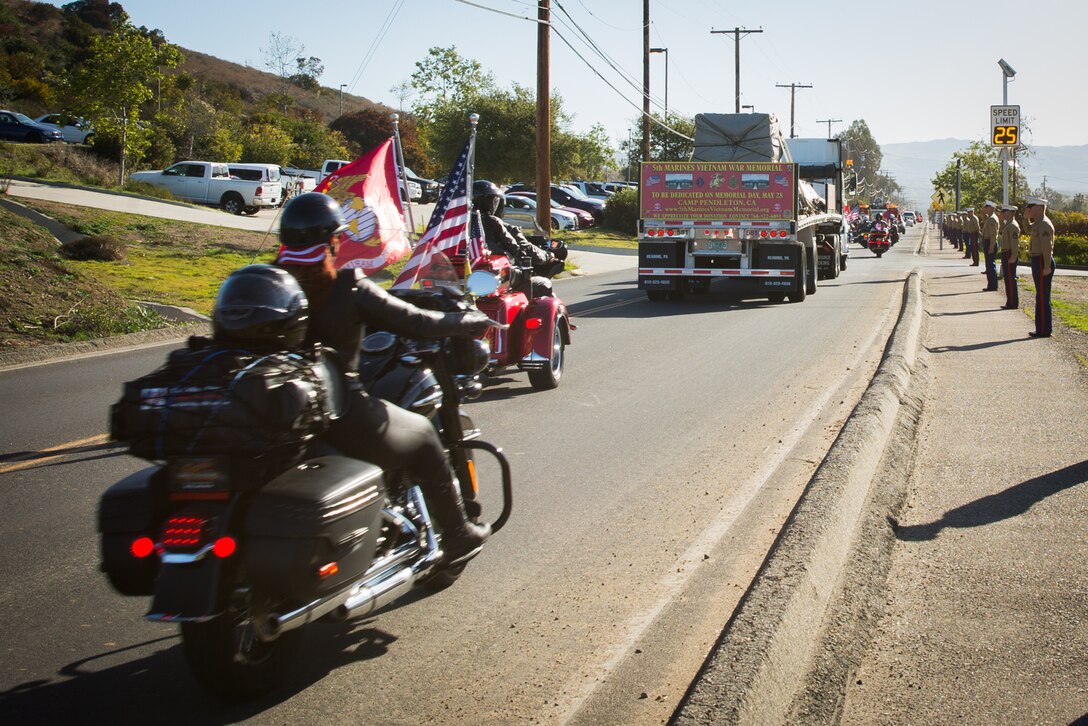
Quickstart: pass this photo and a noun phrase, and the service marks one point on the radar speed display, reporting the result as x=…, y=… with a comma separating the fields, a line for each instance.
x=1004, y=126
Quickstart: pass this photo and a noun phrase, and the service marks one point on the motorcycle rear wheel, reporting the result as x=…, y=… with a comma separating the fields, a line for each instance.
x=228, y=659
x=545, y=379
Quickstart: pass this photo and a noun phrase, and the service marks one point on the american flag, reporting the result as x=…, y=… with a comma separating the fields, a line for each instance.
x=476, y=246
x=446, y=228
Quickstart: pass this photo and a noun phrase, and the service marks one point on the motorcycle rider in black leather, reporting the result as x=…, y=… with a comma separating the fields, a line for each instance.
x=341, y=304
x=507, y=239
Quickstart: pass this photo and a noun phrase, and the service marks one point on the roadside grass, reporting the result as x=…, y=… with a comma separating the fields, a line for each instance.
x=166, y=261
x=46, y=299
x=57, y=162
x=599, y=237
x=1068, y=298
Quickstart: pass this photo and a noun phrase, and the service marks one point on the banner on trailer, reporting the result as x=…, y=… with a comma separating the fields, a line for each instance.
x=722, y=191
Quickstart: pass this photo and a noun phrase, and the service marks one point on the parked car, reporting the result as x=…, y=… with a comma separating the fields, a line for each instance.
x=593, y=190
x=429, y=188
x=15, y=126
x=206, y=182
x=522, y=218
x=584, y=218
x=614, y=187
x=570, y=197
x=74, y=130
x=560, y=219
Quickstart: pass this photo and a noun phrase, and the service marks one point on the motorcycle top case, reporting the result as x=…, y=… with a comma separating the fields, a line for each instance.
x=209, y=400
x=325, y=510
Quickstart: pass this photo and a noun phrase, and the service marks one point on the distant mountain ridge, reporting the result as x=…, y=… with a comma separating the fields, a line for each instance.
x=914, y=164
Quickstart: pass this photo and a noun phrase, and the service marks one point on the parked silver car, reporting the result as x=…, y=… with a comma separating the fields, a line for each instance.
x=74, y=130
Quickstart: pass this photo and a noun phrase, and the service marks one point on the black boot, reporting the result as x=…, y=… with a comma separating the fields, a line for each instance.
x=461, y=538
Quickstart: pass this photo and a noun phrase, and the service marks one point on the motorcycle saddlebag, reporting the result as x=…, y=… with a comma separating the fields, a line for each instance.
x=127, y=512
x=314, y=529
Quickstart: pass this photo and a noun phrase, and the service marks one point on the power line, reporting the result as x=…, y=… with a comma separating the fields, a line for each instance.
x=388, y=23
x=609, y=84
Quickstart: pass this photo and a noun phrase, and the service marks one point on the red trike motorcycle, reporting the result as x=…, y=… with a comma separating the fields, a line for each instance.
x=538, y=329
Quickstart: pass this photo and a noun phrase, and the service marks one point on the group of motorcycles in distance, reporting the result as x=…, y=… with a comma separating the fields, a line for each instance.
x=878, y=232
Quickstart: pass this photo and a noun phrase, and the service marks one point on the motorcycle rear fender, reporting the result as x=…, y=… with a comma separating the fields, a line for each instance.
x=506, y=345
x=189, y=592
x=551, y=312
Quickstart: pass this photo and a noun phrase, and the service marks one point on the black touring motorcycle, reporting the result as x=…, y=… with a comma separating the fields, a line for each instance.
x=248, y=526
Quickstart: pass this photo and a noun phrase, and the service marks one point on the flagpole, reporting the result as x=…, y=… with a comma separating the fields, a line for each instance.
x=473, y=119
x=403, y=177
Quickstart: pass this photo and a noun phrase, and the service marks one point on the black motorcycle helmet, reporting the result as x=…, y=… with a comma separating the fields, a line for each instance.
x=487, y=197
x=261, y=306
x=310, y=219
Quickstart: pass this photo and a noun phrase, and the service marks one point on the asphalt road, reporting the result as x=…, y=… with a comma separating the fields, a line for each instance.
x=648, y=488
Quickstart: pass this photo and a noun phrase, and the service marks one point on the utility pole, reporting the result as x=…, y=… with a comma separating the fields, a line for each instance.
x=543, y=117
x=645, y=80
x=736, y=38
x=666, y=52
x=793, y=95
x=829, y=122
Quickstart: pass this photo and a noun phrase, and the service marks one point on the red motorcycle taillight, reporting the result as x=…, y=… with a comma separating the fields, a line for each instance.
x=533, y=323
x=224, y=547
x=142, y=547
x=183, y=532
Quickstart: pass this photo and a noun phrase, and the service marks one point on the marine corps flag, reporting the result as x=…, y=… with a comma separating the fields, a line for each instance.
x=367, y=191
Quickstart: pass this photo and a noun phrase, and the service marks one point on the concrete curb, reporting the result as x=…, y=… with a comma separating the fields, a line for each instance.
x=760, y=663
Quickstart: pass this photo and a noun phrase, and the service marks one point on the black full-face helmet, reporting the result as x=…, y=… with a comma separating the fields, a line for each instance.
x=261, y=306
x=310, y=219
x=487, y=197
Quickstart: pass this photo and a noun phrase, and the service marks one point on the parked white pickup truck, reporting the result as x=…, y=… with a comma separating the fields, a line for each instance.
x=206, y=182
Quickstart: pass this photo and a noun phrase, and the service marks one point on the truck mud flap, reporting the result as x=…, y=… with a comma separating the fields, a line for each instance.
x=779, y=257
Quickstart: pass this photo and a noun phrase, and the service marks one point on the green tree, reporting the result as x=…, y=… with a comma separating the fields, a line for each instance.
x=366, y=129
x=266, y=144
x=309, y=70
x=118, y=78
x=980, y=175
x=863, y=150
x=583, y=156
x=314, y=142
x=665, y=145
x=444, y=77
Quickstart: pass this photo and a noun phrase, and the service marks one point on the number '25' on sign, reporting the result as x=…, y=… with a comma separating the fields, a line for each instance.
x=1005, y=125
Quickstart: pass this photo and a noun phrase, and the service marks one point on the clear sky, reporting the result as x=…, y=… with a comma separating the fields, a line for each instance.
x=914, y=71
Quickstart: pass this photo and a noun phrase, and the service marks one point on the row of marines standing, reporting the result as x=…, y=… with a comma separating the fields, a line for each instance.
x=1001, y=236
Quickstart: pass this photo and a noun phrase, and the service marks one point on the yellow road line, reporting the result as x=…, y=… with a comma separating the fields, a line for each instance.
x=40, y=457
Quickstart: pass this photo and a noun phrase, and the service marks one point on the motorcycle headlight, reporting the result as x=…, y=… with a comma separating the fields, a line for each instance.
x=469, y=355
x=379, y=342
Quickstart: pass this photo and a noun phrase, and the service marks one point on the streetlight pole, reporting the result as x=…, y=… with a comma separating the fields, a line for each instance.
x=666, y=52
x=342, y=87
x=1007, y=72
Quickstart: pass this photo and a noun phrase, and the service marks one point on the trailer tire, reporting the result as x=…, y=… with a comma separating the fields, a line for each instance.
x=800, y=289
x=810, y=278
x=842, y=261
x=832, y=264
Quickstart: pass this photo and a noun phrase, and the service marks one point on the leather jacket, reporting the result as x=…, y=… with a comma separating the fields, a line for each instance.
x=356, y=301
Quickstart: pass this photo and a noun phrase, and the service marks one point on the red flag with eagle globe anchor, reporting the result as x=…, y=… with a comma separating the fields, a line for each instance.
x=367, y=191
